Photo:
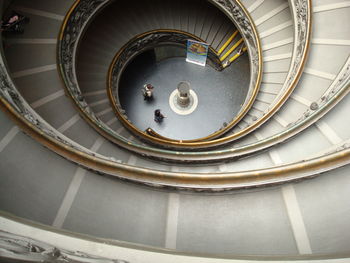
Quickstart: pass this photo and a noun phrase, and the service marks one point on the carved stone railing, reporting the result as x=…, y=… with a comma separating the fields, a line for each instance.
x=12, y=100
x=301, y=14
x=89, y=249
x=241, y=18
x=13, y=103
x=19, y=248
x=302, y=20
x=339, y=88
x=336, y=87
x=20, y=111
x=134, y=47
x=74, y=26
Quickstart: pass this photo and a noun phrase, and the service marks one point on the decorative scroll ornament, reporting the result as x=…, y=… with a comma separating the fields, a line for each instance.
x=340, y=83
x=235, y=11
x=67, y=47
x=76, y=23
x=301, y=12
x=13, y=101
x=12, y=97
x=73, y=29
x=301, y=43
x=15, y=247
x=8, y=91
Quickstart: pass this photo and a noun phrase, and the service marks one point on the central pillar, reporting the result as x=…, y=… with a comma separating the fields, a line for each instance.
x=183, y=95
x=183, y=100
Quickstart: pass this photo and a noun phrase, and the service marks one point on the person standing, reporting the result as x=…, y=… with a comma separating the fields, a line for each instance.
x=158, y=116
x=147, y=92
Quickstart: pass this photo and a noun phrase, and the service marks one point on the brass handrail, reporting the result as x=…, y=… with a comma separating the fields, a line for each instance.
x=113, y=96
x=210, y=181
x=72, y=88
x=31, y=229
x=193, y=181
x=295, y=76
x=214, y=155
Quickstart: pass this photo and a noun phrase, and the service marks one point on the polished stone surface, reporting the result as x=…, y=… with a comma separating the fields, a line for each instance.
x=220, y=95
x=250, y=223
x=324, y=204
x=33, y=182
x=112, y=209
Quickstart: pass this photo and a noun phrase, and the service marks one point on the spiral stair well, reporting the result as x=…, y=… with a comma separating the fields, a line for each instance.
x=259, y=171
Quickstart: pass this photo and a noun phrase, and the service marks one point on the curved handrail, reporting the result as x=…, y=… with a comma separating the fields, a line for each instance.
x=22, y=229
x=66, y=54
x=230, y=153
x=20, y=111
x=301, y=11
x=137, y=45
x=302, y=17
x=174, y=156
x=302, y=31
x=215, y=155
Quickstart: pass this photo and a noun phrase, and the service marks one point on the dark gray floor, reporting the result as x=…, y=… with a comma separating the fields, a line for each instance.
x=220, y=95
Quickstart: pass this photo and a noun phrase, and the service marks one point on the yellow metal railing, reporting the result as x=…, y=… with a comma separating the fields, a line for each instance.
x=229, y=52
x=237, y=55
x=227, y=42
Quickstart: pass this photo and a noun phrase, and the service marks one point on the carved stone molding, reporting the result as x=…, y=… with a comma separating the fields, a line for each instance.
x=340, y=83
x=301, y=14
x=236, y=12
x=15, y=102
x=75, y=25
x=12, y=96
x=13, y=99
x=15, y=247
x=301, y=10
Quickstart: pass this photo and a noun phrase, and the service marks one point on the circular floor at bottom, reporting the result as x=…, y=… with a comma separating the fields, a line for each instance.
x=220, y=95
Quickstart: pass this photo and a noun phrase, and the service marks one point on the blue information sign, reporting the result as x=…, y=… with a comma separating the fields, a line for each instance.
x=197, y=52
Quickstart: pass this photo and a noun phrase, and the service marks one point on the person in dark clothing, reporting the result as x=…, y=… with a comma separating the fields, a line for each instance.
x=158, y=116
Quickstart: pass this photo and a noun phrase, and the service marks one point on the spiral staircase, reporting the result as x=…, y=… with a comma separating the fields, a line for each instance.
x=271, y=187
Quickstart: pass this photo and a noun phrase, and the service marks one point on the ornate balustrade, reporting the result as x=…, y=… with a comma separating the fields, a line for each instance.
x=74, y=26
x=34, y=125
x=19, y=248
x=32, y=242
x=136, y=46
